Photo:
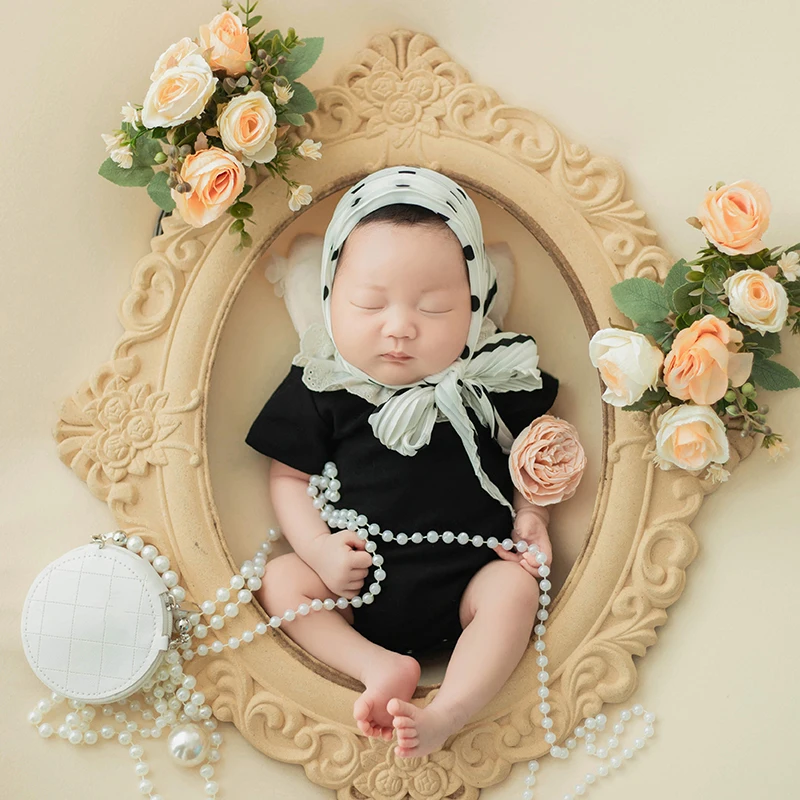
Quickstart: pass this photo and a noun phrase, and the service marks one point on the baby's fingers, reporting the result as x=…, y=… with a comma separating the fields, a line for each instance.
x=507, y=555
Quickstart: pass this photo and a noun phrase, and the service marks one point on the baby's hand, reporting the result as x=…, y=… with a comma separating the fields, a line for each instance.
x=342, y=562
x=531, y=528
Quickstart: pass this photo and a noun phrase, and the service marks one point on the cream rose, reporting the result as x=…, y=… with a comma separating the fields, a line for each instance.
x=691, y=437
x=228, y=41
x=759, y=301
x=703, y=359
x=173, y=56
x=179, y=94
x=247, y=126
x=735, y=216
x=628, y=364
x=547, y=461
x=217, y=178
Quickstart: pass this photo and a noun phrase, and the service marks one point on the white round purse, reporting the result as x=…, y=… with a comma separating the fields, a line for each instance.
x=97, y=622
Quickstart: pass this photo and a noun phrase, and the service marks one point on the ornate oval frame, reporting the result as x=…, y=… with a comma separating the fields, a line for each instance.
x=402, y=100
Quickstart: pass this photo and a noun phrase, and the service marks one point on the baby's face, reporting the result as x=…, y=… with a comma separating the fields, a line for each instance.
x=401, y=289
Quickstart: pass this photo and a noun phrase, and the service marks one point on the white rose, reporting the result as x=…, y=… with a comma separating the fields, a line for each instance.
x=179, y=94
x=691, y=437
x=790, y=265
x=247, y=127
x=628, y=364
x=173, y=56
x=759, y=301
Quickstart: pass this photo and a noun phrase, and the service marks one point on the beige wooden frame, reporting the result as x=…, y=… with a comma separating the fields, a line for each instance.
x=135, y=432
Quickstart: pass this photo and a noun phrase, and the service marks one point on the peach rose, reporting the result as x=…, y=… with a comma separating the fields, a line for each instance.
x=247, y=128
x=759, y=301
x=228, y=41
x=691, y=437
x=628, y=363
x=179, y=94
x=217, y=178
x=703, y=359
x=173, y=56
x=547, y=461
x=735, y=216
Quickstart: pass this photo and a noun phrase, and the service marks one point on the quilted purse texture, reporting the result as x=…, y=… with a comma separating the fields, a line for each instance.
x=95, y=624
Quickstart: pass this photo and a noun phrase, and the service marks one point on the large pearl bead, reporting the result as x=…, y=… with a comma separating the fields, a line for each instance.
x=188, y=744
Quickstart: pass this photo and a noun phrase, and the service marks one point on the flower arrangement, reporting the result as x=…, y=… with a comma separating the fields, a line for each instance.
x=222, y=102
x=704, y=339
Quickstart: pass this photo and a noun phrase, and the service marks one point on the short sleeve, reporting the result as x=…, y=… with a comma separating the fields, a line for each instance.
x=290, y=429
x=519, y=409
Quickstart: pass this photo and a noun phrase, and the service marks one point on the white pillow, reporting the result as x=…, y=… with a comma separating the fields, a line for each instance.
x=296, y=279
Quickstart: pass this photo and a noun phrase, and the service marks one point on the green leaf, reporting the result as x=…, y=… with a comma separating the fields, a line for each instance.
x=135, y=176
x=772, y=376
x=144, y=151
x=159, y=193
x=648, y=401
x=303, y=57
x=302, y=100
x=719, y=310
x=675, y=278
x=253, y=21
x=658, y=330
x=641, y=299
x=695, y=277
x=768, y=343
x=294, y=119
x=681, y=298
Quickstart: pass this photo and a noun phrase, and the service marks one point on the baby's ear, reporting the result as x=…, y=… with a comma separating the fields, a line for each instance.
x=499, y=253
x=296, y=279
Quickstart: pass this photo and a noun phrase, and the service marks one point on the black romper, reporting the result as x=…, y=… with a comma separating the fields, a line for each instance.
x=417, y=610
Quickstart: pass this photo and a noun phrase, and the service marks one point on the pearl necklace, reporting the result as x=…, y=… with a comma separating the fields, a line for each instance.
x=193, y=739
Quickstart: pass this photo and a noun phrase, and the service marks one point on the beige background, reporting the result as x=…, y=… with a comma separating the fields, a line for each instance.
x=682, y=95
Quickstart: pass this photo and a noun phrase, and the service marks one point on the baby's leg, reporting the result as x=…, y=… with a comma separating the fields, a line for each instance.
x=497, y=612
x=288, y=581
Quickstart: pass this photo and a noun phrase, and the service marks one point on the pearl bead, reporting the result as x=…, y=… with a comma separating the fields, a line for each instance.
x=275, y=622
x=217, y=622
x=161, y=564
x=201, y=631
x=231, y=610
x=638, y=710
x=170, y=578
x=149, y=552
x=135, y=544
x=261, y=627
x=602, y=770
x=208, y=607
x=141, y=769
x=216, y=646
x=146, y=786
x=254, y=583
x=223, y=595
x=303, y=609
x=625, y=715
x=45, y=730
x=649, y=717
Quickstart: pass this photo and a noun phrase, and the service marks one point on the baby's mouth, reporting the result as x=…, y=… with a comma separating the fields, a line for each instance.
x=396, y=356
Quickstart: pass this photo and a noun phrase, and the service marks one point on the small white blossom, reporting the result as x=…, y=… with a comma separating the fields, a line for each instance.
x=716, y=473
x=112, y=142
x=310, y=149
x=301, y=196
x=283, y=94
x=777, y=450
x=790, y=265
x=130, y=114
x=123, y=156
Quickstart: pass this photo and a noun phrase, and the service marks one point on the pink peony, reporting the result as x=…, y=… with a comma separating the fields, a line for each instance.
x=547, y=461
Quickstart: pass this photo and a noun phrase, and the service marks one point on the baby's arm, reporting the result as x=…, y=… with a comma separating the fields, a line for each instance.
x=299, y=521
x=530, y=525
x=339, y=558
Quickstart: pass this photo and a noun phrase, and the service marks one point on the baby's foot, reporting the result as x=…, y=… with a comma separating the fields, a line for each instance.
x=392, y=675
x=420, y=731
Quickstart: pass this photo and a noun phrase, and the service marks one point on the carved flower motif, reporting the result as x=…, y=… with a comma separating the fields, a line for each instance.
x=405, y=103
x=386, y=776
x=129, y=422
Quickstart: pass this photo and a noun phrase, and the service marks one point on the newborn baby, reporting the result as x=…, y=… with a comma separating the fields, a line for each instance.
x=410, y=389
